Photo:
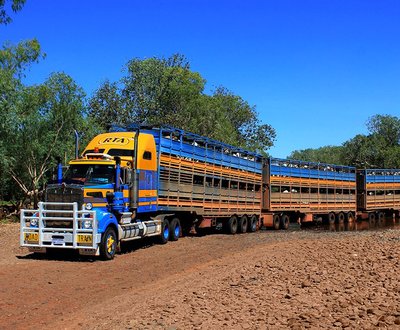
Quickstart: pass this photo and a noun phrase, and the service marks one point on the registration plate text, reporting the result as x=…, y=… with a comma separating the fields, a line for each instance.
x=84, y=239
x=31, y=237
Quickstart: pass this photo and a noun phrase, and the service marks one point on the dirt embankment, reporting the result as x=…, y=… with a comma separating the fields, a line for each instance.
x=294, y=279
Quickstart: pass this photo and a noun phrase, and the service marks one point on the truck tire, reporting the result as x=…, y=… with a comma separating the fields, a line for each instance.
x=174, y=229
x=252, y=224
x=350, y=217
x=232, y=225
x=276, y=221
x=340, y=218
x=243, y=224
x=164, y=235
x=331, y=218
x=108, y=244
x=372, y=219
x=285, y=221
x=381, y=219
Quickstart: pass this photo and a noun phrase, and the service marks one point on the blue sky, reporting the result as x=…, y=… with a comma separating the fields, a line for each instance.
x=315, y=70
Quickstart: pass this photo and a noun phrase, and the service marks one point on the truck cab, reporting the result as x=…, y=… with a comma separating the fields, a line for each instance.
x=106, y=196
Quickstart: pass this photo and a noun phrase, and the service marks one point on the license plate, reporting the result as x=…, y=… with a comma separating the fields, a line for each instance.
x=31, y=237
x=58, y=241
x=85, y=239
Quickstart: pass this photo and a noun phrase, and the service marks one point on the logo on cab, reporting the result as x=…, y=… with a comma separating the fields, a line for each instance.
x=114, y=140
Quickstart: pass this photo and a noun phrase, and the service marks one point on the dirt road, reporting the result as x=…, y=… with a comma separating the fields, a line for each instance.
x=294, y=279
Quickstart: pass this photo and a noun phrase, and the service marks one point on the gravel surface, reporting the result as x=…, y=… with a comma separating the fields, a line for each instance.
x=296, y=279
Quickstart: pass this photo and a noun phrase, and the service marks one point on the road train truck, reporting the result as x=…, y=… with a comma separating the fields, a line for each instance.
x=142, y=181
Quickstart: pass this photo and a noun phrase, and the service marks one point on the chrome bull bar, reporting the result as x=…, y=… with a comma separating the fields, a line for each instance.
x=36, y=234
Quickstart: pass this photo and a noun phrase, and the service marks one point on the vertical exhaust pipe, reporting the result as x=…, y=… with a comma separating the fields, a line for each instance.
x=135, y=185
x=59, y=170
x=117, y=173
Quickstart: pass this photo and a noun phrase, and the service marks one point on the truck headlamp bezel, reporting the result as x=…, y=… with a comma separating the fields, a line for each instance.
x=88, y=206
x=87, y=224
x=34, y=222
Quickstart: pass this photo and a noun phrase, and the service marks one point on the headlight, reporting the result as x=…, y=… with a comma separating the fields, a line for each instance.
x=33, y=223
x=86, y=224
x=88, y=206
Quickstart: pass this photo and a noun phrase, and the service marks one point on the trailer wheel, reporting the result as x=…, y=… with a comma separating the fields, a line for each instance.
x=175, y=229
x=164, y=235
x=243, y=224
x=108, y=244
x=276, y=220
x=381, y=219
x=285, y=221
x=331, y=218
x=232, y=225
x=372, y=219
x=253, y=224
x=340, y=218
x=350, y=217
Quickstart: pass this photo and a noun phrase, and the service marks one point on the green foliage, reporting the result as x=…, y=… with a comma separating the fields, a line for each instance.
x=14, y=60
x=15, y=5
x=392, y=157
x=106, y=106
x=158, y=91
x=379, y=149
x=387, y=127
x=36, y=122
x=327, y=154
x=166, y=92
x=46, y=117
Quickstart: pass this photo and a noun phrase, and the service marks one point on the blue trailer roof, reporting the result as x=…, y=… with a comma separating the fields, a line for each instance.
x=303, y=169
x=193, y=146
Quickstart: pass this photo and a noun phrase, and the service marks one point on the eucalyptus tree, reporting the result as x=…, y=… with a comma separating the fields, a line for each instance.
x=14, y=60
x=6, y=6
x=165, y=91
x=47, y=116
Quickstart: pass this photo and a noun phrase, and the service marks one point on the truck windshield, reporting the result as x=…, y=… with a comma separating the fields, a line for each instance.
x=91, y=174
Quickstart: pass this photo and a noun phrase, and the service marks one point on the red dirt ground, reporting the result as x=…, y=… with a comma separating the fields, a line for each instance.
x=294, y=279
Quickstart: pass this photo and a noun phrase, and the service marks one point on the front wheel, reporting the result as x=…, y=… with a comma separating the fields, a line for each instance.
x=108, y=245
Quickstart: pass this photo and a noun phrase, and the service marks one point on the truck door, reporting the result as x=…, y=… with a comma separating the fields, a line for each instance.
x=147, y=168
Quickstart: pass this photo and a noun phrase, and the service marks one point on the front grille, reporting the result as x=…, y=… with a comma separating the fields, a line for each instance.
x=62, y=193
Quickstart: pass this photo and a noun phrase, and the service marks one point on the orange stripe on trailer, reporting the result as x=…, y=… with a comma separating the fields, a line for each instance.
x=248, y=206
x=206, y=168
x=289, y=180
x=382, y=185
x=312, y=206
